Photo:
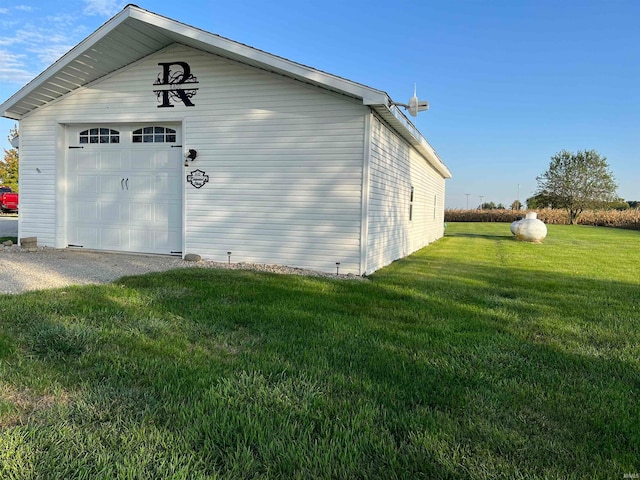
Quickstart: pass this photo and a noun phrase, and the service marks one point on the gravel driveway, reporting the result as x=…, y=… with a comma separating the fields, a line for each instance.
x=21, y=271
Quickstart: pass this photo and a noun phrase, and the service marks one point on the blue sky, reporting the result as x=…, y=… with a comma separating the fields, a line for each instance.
x=510, y=83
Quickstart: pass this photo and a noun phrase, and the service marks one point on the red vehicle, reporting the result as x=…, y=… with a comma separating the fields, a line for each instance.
x=8, y=200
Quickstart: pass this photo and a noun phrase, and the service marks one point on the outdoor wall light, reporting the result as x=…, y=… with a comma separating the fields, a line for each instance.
x=191, y=155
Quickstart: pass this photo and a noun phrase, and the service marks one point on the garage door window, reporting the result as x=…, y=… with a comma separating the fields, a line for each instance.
x=154, y=135
x=99, y=135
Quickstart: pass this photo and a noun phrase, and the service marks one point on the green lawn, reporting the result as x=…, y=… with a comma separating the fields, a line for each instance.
x=477, y=357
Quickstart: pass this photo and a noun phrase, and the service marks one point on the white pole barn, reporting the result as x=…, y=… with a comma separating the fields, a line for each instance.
x=154, y=136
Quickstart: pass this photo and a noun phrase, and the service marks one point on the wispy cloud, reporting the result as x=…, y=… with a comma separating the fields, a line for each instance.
x=31, y=40
x=20, y=8
x=13, y=68
x=11, y=40
x=104, y=8
x=62, y=20
x=35, y=44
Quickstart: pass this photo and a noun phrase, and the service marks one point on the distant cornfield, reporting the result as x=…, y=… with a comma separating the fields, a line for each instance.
x=604, y=218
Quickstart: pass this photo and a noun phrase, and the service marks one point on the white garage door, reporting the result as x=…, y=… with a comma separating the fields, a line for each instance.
x=125, y=189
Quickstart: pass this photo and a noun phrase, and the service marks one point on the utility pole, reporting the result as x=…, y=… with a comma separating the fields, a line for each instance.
x=519, y=206
x=467, y=194
x=481, y=198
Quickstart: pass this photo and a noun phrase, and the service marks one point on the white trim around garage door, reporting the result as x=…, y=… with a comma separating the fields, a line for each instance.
x=124, y=189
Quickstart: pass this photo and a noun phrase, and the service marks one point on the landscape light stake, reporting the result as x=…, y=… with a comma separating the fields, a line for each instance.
x=337, y=268
x=229, y=256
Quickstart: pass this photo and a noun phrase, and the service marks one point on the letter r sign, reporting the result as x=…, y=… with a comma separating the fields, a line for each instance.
x=172, y=79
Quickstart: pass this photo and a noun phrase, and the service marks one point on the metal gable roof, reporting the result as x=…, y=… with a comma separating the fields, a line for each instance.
x=135, y=33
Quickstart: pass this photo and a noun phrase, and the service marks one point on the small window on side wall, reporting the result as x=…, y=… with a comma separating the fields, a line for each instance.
x=99, y=135
x=411, y=205
x=154, y=135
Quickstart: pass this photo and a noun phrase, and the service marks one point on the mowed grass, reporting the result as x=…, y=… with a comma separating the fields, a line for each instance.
x=477, y=357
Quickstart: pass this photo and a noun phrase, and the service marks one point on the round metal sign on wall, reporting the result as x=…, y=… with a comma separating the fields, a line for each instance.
x=197, y=178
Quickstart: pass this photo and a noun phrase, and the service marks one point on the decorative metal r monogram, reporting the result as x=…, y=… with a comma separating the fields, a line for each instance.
x=173, y=80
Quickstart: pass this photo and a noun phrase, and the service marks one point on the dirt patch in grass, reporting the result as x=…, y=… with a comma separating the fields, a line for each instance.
x=19, y=406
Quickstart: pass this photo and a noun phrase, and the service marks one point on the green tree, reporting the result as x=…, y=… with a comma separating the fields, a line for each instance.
x=9, y=165
x=516, y=205
x=618, y=204
x=542, y=200
x=577, y=181
x=488, y=206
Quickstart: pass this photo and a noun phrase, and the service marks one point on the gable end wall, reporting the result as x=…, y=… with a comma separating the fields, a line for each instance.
x=284, y=161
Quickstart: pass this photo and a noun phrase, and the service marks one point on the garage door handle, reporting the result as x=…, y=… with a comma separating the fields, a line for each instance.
x=126, y=182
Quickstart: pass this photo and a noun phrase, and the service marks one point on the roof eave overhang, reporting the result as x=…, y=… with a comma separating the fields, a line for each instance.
x=245, y=54
x=8, y=108
x=403, y=126
x=167, y=31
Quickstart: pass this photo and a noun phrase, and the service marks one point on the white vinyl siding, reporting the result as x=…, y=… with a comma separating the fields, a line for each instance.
x=284, y=160
x=284, y=164
x=395, y=167
x=38, y=174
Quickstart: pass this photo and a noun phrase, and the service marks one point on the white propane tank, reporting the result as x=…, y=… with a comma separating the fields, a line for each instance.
x=514, y=226
x=530, y=229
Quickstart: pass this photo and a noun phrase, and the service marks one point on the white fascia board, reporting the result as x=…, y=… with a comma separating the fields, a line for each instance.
x=377, y=100
x=208, y=42
x=62, y=62
x=403, y=126
x=10, y=115
x=240, y=52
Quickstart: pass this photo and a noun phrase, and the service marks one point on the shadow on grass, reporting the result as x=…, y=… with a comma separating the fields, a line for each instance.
x=490, y=371
x=479, y=235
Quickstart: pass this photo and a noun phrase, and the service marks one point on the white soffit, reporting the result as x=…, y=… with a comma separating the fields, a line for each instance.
x=135, y=33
